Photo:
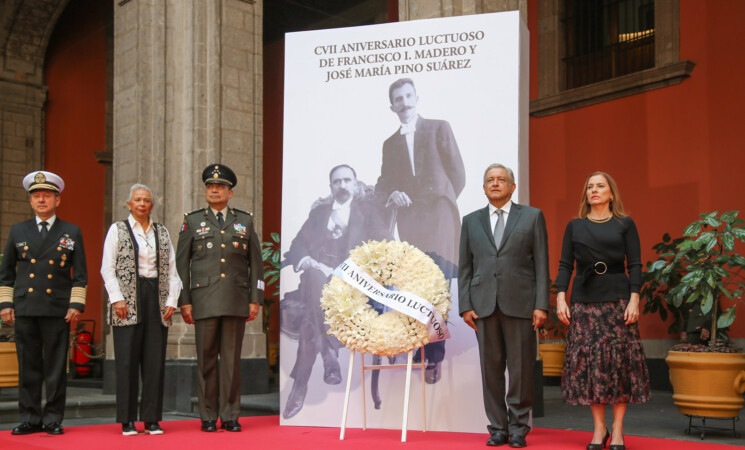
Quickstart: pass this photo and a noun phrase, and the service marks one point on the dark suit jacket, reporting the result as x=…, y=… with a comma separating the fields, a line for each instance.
x=364, y=224
x=516, y=276
x=221, y=269
x=43, y=278
x=439, y=166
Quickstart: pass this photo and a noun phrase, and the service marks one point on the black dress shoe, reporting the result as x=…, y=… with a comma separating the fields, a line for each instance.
x=153, y=428
x=209, y=425
x=433, y=373
x=332, y=373
x=497, y=439
x=295, y=400
x=26, y=428
x=517, y=441
x=54, y=428
x=231, y=425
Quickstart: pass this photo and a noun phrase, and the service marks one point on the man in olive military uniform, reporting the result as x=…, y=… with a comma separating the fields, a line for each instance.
x=43, y=282
x=219, y=262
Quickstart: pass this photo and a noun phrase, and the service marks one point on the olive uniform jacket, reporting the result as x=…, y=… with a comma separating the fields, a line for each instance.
x=221, y=268
x=43, y=278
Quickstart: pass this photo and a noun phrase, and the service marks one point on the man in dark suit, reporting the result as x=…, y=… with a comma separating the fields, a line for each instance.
x=420, y=179
x=334, y=227
x=503, y=287
x=219, y=263
x=43, y=281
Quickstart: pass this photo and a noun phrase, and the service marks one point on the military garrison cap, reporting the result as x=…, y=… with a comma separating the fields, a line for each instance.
x=219, y=173
x=43, y=180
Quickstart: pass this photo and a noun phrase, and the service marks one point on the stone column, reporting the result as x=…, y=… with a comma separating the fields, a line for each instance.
x=187, y=93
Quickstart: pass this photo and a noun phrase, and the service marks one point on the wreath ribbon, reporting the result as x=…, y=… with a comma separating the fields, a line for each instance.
x=404, y=302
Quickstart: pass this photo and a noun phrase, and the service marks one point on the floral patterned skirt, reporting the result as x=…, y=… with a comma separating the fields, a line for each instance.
x=604, y=361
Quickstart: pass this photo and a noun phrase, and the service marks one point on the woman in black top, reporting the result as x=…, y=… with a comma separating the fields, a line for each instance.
x=604, y=362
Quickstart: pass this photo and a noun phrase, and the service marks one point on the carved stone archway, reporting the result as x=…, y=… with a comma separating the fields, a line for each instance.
x=25, y=27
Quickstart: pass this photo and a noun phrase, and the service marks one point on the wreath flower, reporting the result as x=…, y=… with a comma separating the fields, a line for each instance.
x=351, y=317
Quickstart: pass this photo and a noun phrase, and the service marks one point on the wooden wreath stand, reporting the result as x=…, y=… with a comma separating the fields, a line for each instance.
x=408, y=366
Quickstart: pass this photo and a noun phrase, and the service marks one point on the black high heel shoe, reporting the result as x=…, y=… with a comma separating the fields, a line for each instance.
x=618, y=447
x=601, y=446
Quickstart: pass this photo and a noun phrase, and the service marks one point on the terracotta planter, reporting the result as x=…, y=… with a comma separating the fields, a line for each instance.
x=707, y=384
x=552, y=356
x=8, y=364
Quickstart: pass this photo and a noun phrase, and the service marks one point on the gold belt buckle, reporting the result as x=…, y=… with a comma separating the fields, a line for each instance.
x=605, y=267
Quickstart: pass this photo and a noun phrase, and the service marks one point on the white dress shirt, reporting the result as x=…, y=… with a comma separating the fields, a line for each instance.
x=341, y=211
x=147, y=257
x=493, y=216
x=50, y=221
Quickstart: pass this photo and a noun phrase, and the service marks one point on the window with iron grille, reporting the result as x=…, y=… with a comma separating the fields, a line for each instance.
x=606, y=39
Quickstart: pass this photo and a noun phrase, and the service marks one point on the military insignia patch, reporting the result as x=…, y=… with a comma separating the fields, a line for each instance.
x=240, y=229
x=183, y=227
x=202, y=231
x=66, y=242
x=40, y=178
x=236, y=244
x=209, y=244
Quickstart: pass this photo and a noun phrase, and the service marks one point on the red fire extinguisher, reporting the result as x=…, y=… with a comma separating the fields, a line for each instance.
x=82, y=347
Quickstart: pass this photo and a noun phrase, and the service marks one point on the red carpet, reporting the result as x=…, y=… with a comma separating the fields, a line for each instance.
x=265, y=433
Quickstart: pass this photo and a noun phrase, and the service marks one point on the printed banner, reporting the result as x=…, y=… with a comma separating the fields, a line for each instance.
x=387, y=132
x=404, y=302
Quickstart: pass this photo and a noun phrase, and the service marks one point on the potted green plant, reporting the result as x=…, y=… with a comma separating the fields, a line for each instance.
x=8, y=356
x=271, y=254
x=656, y=285
x=700, y=278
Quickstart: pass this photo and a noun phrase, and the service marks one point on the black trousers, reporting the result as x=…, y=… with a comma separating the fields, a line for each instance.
x=41, y=343
x=314, y=338
x=219, y=387
x=140, y=350
x=507, y=342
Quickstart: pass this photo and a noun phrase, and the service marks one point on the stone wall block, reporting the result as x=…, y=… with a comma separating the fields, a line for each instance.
x=235, y=58
x=234, y=18
x=237, y=120
x=230, y=77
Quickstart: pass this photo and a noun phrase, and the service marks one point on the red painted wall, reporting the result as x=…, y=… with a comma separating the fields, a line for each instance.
x=675, y=152
x=75, y=73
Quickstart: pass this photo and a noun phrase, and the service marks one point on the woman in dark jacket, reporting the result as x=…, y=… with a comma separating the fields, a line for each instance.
x=604, y=362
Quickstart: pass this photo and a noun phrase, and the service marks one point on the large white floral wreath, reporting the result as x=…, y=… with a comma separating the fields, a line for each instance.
x=358, y=326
